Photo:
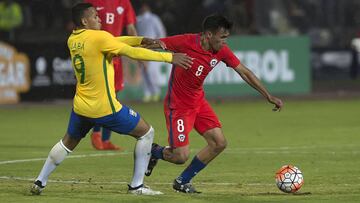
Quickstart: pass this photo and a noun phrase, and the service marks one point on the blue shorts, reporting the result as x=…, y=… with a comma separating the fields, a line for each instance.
x=122, y=122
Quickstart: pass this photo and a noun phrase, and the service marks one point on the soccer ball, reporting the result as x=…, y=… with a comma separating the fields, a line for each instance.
x=289, y=179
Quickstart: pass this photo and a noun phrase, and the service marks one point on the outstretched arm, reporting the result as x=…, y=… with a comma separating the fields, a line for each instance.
x=130, y=40
x=254, y=82
x=144, y=42
x=110, y=45
x=138, y=53
x=153, y=43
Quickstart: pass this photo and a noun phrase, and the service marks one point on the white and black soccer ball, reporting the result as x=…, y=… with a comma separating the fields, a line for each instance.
x=289, y=179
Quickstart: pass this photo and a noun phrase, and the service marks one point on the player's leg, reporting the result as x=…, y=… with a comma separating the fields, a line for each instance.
x=129, y=122
x=179, y=124
x=147, y=85
x=144, y=134
x=208, y=125
x=96, y=139
x=216, y=143
x=77, y=129
x=107, y=144
x=154, y=73
x=106, y=134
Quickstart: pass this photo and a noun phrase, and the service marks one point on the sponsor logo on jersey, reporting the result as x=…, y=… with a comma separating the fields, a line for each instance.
x=213, y=63
x=181, y=137
x=99, y=8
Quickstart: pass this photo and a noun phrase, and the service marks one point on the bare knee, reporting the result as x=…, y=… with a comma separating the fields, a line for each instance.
x=141, y=129
x=216, y=140
x=176, y=156
x=181, y=159
x=69, y=142
x=220, y=146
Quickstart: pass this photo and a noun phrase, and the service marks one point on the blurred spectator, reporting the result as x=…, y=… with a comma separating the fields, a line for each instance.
x=242, y=14
x=298, y=15
x=42, y=13
x=272, y=18
x=150, y=25
x=328, y=22
x=10, y=18
x=355, y=46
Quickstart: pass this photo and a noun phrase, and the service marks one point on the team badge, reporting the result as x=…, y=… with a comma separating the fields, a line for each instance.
x=213, y=63
x=181, y=137
x=132, y=112
x=120, y=10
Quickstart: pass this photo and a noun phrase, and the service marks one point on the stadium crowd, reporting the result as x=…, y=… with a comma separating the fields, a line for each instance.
x=328, y=23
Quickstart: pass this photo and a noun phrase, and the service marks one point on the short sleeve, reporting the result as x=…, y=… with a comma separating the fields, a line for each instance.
x=108, y=44
x=174, y=43
x=228, y=57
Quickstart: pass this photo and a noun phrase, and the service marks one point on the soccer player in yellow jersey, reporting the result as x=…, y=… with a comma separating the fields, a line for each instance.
x=95, y=102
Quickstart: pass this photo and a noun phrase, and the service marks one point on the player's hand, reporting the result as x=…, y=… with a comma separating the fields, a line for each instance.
x=161, y=44
x=277, y=102
x=152, y=43
x=182, y=60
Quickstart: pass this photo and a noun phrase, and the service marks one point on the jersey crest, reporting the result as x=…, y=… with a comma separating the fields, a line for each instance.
x=213, y=63
x=120, y=10
x=181, y=137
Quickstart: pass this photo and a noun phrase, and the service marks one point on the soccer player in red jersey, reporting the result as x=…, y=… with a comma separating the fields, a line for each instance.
x=185, y=106
x=115, y=15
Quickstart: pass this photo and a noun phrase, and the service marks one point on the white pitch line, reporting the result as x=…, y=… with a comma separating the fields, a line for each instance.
x=227, y=151
x=153, y=183
x=112, y=182
x=69, y=157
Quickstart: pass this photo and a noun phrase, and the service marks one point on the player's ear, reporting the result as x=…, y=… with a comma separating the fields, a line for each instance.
x=83, y=21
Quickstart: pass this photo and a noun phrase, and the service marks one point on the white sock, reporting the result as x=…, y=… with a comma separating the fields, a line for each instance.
x=142, y=156
x=55, y=157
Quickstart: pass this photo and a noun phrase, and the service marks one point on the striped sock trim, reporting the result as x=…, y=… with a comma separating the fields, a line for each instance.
x=62, y=144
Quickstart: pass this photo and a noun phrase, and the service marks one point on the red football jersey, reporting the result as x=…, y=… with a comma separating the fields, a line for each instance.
x=185, y=88
x=114, y=14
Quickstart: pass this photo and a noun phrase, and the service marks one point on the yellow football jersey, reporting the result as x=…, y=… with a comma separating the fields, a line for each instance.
x=91, y=55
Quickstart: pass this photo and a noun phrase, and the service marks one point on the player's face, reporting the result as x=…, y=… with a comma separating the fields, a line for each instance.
x=218, y=39
x=91, y=19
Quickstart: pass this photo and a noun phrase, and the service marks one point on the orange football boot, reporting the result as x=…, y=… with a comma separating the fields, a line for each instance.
x=107, y=145
x=96, y=141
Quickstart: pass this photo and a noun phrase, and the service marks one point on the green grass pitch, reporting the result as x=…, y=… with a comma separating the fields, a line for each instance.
x=319, y=137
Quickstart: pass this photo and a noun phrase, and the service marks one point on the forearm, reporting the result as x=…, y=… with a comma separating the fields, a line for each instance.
x=254, y=82
x=146, y=54
x=250, y=78
x=130, y=40
x=131, y=30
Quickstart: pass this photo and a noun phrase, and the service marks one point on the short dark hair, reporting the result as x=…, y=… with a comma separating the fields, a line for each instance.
x=216, y=21
x=77, y=12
